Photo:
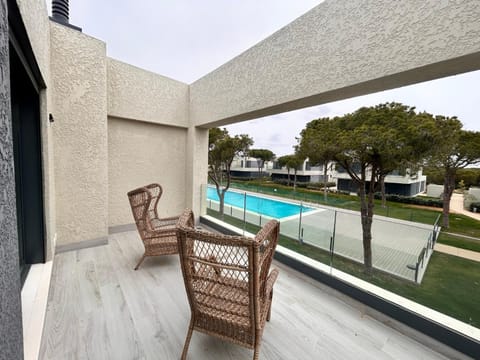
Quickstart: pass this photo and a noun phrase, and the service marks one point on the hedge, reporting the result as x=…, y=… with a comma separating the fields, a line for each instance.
x=476, y=206
x=418, y=200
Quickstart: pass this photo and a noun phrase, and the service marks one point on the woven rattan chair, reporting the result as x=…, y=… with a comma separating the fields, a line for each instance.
x=228, y=283
x=158, y=235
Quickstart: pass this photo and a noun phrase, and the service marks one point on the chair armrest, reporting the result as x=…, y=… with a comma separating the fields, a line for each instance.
x=160, y=232
x=272, y=277
x=168, y=220
x=158, y=224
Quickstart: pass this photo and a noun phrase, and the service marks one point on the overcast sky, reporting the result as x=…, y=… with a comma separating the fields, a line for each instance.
x=186, y=39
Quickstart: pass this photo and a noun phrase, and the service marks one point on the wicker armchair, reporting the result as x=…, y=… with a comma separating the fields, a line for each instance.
x=158, y=235
x=228, y=283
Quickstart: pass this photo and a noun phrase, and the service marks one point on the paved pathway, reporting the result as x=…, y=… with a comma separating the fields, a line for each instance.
x=452, y=250
x=456, y=206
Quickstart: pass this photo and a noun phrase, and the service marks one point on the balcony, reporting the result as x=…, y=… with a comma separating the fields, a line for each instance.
x=106, y=126
x=100, y=308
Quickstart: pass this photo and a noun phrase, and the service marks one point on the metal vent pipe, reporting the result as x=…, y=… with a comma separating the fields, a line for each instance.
x=60, y=11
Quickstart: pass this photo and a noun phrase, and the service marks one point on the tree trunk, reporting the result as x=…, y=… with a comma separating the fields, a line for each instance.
x=295, y=180
x=366, y=210
x=260, y=168
x=448, y=187
x=325, y=181
x=382, y=189
x=288, y=176
x=221, y=197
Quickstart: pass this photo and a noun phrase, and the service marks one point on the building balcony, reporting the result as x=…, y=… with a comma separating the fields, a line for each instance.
x=103, y=127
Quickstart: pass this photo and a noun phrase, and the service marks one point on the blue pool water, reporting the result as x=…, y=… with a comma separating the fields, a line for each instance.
x=273, y=208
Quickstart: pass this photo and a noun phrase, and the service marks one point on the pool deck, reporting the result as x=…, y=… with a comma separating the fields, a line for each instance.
x=396, y=244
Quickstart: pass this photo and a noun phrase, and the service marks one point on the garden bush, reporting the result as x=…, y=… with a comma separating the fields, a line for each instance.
x=475, y=207
x=412, y=200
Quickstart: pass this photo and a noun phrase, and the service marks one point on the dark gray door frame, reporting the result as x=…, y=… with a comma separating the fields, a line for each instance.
x=25, y=86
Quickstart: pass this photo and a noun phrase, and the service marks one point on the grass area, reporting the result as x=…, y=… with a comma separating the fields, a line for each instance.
x=459, y=224
x=460, y=242
x=451, y=284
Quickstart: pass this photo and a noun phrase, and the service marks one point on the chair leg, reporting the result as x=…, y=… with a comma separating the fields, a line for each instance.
x=187, y=340
x=141, y=260
x=256, y=352
x=270, y=307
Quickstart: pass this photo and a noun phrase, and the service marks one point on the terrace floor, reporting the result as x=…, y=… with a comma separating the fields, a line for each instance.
x=100, y=308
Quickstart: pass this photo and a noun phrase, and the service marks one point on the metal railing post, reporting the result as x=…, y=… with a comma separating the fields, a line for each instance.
x=416, y=273
x=300, y=224
x=332, y=238
x=244, y=212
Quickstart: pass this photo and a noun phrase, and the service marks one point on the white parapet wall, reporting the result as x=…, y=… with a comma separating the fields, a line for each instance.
x=434, y=190
x=475, y=192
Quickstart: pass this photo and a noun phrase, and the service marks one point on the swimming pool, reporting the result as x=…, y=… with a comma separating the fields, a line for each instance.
x=264, y=206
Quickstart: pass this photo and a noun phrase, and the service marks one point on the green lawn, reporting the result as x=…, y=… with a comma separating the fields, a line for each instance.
x=451, y=284
x=460, y=242
x=461, y=224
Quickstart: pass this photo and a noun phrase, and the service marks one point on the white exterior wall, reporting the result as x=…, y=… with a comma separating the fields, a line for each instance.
x=434, y=190
x=389, y=179
x=79, y=83
x=337, y=50
x=139, y=154
x=475, y=193
x=147, y=140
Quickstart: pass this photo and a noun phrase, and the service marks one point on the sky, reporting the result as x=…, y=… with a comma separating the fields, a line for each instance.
x=187, y=39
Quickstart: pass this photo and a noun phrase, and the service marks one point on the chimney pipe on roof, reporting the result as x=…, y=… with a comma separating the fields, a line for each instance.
x=60, y=11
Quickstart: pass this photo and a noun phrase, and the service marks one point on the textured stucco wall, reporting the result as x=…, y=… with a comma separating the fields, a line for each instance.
x=11, y=343
x=78, y=65
x=341, y=49
x=196, y=168
x=35, y=17
x=138, y=94
x=141, y=153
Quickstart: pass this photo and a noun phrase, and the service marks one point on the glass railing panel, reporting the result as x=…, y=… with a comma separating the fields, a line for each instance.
x=401, y=248
x=317, y=226
x=347, y=240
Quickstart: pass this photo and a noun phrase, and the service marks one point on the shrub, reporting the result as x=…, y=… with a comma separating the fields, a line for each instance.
x=319, y=185
x=412, y=200
x=475, y=206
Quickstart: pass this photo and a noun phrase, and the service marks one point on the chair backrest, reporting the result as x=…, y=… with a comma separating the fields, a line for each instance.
x=265, y=243
x=226, y=262
x=143, y=202
x=155, y=191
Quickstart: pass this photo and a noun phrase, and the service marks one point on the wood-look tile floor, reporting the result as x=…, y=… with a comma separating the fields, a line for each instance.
x=100, y=308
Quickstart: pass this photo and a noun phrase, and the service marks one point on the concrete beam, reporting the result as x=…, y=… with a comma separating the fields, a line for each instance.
x=338, y=50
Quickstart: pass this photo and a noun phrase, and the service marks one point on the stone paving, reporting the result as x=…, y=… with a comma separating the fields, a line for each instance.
x=456, y=206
